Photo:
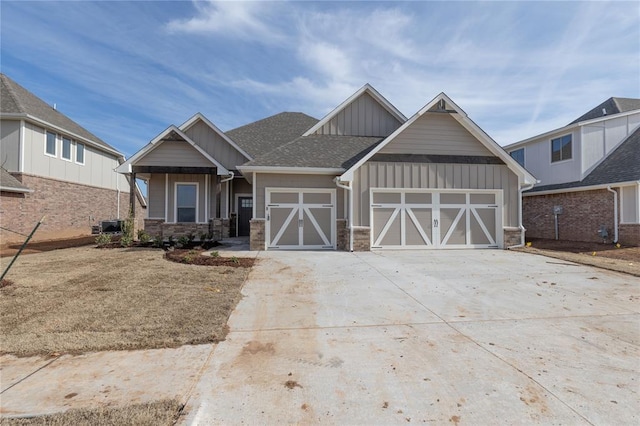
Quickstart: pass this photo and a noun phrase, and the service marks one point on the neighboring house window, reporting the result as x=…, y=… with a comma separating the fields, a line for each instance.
x=66, y=149
x=561, y=148
x=50, y=148
x=186, y=202
x=80, y=153
x=518, y=155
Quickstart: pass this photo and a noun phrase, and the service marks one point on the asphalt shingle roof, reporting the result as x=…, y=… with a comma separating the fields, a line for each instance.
x=611, y=106
x=325, y=151
x=8, y=182
x=262, y=136
x=15, y=99
x=622, y=165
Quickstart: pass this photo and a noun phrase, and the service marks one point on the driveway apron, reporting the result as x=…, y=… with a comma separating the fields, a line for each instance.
x=453, y=337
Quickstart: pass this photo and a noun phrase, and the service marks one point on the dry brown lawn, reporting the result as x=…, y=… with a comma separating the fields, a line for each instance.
x=151, y=414
x=85, y=299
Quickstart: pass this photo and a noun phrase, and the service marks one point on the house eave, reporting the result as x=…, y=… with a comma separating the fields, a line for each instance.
x=36, y=120
x=581, y=188
x=291, y=170
x=16, y=190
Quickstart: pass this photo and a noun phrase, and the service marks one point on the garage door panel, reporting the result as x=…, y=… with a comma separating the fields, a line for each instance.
x=284, y=226
x=316, y=198
x=482, y=198
x=483, y=226
x=453, y=198
x=316, y=227
x=386, y=198
x=418, y=227
x=284, y=198
x=418, y=198
x=453, y=226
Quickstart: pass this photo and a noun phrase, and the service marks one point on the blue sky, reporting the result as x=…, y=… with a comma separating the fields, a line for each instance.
x=127, y=70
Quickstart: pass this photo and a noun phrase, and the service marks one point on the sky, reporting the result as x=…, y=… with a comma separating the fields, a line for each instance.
x=126, y=70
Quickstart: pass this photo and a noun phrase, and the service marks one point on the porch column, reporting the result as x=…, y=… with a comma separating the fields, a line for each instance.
x=132, y=195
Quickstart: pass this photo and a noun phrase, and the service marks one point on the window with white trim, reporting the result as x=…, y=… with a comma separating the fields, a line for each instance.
x=66, y=149
x=79, y=153
x=561, y=148
x=50, y=144
x=518, y=155
x=186, y=202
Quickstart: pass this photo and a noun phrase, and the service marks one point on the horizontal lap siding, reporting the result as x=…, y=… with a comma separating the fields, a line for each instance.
x=176, y=154
x=434, y=176
x=206, y=138
x=10, y=145
x=272, y=180
x=436, y=134
x=363, y=117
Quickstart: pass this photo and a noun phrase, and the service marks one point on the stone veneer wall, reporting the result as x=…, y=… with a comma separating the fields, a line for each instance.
x=512, y=237
x=342, y=234
x=361, y=238
x=70, y=209
x=257, y=237
x=216, y=229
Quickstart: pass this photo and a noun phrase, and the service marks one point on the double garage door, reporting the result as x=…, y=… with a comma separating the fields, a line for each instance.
x=300, y=219
x=411, y=218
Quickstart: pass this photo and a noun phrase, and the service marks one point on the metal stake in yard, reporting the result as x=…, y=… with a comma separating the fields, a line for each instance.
x=35, y=228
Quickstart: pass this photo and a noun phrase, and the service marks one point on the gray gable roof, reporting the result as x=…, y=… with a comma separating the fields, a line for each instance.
x=622, y=165
x=611, y=106
x=322, y=151
x=15, y=99
x=10, y=183
x=265, y=135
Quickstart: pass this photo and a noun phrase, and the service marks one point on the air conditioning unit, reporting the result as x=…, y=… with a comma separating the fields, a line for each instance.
x=111, y=226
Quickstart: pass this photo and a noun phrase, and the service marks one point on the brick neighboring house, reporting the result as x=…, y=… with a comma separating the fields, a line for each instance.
x=52, y=166
x=589, y=173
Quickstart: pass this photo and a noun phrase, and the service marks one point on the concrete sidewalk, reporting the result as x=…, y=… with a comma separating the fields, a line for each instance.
x=37, y=386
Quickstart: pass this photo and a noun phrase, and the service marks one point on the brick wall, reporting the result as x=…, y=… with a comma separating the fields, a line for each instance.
x=629, y=234
x=584, y=212
x=70, y=208
x=256, y=238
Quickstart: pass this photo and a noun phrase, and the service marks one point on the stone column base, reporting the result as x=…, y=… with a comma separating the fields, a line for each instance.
x=256, y=234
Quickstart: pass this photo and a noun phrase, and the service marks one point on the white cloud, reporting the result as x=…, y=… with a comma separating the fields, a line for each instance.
x=243, y=20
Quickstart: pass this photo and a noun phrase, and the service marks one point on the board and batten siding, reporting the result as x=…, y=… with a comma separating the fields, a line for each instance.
x=436, y=134
x=276, y=180
x=98, y=168
x=630, y=203
x=175, y=154
x=599, y=140
x=10, y=145
x=434, y=176
x=159, y=183
x=214, y=145
x=362, y=117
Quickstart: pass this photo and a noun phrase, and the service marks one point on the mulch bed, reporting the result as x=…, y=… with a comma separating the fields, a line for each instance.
x=42, y=246
x=197, y=257
x=610, y=251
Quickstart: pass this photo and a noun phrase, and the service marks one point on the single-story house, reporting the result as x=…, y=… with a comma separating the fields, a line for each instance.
x=363, y=177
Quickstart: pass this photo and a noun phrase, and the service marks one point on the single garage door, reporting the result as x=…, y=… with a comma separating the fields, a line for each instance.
x=300, y=219
x=415, y=218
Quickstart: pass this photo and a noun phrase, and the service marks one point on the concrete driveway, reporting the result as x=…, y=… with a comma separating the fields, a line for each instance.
x=446, y=337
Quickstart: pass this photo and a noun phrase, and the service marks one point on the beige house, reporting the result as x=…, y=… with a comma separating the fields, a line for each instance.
x=53, y=167
x=364, y=177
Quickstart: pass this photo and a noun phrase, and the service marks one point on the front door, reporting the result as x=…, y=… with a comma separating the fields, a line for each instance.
x=245, y=211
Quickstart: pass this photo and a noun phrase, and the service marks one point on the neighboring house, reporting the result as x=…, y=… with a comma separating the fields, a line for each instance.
x=589, y=174
x=362, y=177
x=53, y=167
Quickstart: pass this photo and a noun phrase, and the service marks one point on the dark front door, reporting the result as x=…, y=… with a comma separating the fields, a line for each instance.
x=245, y=211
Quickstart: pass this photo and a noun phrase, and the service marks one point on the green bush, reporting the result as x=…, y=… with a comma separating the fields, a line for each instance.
x=103, y=239
x=183, y=240
x=143, y=237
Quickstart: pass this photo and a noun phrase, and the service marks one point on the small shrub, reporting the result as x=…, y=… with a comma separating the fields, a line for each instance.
x=144, y=237
x=126, y=240
x=157, y=241
x=171, y=240
x=203, y=236
x=191, y=236
x=215, y=254
x=235, y=260
x=103, y=239
x=183, y=241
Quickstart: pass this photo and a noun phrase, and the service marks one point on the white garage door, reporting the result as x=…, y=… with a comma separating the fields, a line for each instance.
x=300, y=219
x=410, y=218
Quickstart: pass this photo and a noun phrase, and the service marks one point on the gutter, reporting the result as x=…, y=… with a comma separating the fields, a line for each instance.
x=348, y=188
x=520, y=226
x=615, y=214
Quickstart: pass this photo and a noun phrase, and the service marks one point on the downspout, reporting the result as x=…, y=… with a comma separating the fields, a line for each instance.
x=615, y=214
x=117, y=193
x=227, y=179
x=349, y=221
x=520, y=225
